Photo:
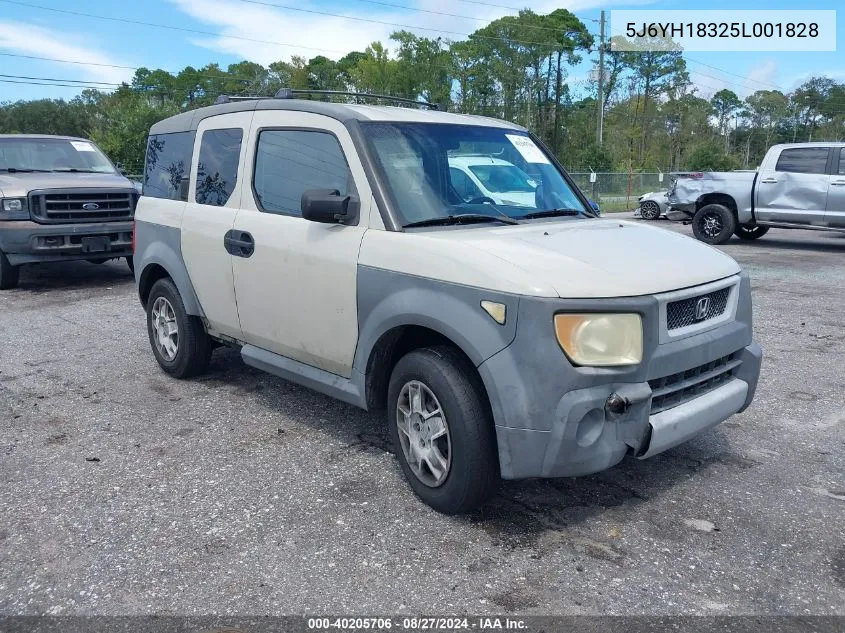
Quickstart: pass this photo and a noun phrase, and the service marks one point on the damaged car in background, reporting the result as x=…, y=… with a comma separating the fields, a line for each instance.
x=797, y=186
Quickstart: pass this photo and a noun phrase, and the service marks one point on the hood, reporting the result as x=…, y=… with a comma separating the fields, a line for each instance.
x=602, y=257
x=19, y=185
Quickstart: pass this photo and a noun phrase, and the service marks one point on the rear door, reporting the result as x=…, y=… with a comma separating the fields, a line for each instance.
x=796, y=189
x=835, y=214
x=213, y=200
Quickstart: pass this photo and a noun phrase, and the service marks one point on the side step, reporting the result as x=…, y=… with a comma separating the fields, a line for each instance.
x=344, y=389
x=806, y=227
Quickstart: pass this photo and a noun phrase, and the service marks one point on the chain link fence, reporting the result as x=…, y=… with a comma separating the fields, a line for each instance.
x=620, y=188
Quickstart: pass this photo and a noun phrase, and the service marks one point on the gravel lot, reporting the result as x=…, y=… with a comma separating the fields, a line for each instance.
x=123, y=491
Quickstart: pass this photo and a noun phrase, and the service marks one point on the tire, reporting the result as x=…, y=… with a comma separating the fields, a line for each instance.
x=446, y=381
x=189, y=349
x=130, y=261
x=650, y=210
x=713, y=224
x=9, y=275
x=746, y=232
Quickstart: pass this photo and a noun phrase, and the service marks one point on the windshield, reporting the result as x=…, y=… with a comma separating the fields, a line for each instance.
x=52, y=154
x=503, y=178
x=415, y=160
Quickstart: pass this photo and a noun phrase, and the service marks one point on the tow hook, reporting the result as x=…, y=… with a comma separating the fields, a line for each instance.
x=616, y=405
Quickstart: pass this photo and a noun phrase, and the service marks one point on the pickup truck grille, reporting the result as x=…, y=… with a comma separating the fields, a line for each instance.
x=692, y=310
x=56, y=206
x=675, y=389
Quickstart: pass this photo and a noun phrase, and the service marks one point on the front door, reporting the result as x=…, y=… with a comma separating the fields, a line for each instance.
x=796, y=190
x=213, y=199
x=835, y=214
x=297, y=290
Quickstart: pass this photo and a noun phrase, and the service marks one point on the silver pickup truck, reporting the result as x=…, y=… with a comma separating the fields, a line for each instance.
x=61, y=199
x=797, y=186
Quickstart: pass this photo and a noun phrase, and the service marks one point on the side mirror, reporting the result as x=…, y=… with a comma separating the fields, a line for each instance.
x=328, y=206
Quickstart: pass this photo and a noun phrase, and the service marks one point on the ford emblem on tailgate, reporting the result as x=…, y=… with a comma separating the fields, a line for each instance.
x=90, y=206
x=702, y=307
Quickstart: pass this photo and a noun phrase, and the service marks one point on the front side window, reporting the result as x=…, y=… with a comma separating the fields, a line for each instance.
x=289, y=162
x=217, y=169
x=521, y=182
x=167, y=165
x=34, y=154
x=803, y=160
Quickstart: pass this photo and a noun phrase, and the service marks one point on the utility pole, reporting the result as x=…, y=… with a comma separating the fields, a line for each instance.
x=600, y=118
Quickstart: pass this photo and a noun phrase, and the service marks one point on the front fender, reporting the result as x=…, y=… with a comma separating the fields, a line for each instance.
x=388, y=299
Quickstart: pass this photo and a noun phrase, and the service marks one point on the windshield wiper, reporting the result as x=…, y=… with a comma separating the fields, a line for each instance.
x=74, y=170
x=550, y=213
x=462, y=218
x=22, y=170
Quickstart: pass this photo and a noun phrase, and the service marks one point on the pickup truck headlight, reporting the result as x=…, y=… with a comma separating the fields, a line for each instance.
x=14, y=209
x=601, y=340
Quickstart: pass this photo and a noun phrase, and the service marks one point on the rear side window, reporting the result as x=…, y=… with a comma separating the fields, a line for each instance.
x=803, y=160
x=168, y=165
x=217, y=169
x=842, y=162
x=288, y=162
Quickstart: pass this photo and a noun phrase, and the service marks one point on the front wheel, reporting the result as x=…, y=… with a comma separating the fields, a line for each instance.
x=9, y=275
x=649, y=210
x=179, y=341
x=442, y=430
x=713, y=224
x=749, y=232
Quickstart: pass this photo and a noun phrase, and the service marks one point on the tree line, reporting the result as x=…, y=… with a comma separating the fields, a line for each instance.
x=518, y=68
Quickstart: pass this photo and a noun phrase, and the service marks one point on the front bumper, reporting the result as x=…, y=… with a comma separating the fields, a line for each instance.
x=552, y=419
x=26, y=242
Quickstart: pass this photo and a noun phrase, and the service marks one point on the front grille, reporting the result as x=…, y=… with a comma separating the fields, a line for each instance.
x=684, y=312
x=670, y=391
x=77, y=205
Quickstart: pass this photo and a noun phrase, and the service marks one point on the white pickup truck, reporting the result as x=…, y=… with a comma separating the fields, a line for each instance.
x=797, y=186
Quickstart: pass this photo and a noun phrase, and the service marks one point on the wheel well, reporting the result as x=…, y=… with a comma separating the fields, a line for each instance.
x=151, y=274
x=393, y=345
x=717, y=198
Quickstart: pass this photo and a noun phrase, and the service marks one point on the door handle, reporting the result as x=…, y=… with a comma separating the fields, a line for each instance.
x=239, y=243
x=769, y=181
x=837, y=182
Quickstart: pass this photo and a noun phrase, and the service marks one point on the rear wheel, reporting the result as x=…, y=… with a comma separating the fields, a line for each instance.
x=179, y=341
x=713, y=224
x=9, y=275
x=442, y=430
x=650, y=210
x=748, y=232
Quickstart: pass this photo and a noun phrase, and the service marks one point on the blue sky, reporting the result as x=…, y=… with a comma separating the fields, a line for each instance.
x=32, y=31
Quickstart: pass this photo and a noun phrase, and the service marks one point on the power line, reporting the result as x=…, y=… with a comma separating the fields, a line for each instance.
x=170, y=27
x=286, y=7
x=78, y=81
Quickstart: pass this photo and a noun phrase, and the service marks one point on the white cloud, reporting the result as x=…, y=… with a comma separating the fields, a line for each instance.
x=284, y=33
x=762, y=77
x=25, y=39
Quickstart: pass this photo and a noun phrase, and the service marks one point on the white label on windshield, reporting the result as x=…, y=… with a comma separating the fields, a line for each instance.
x=528, y=148
x=81, y=146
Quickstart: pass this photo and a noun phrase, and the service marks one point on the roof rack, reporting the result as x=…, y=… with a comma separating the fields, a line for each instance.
x=288, y=93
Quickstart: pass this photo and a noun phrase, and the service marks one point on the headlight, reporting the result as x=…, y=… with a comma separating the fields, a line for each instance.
x=601, y=340
x=14, y=209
